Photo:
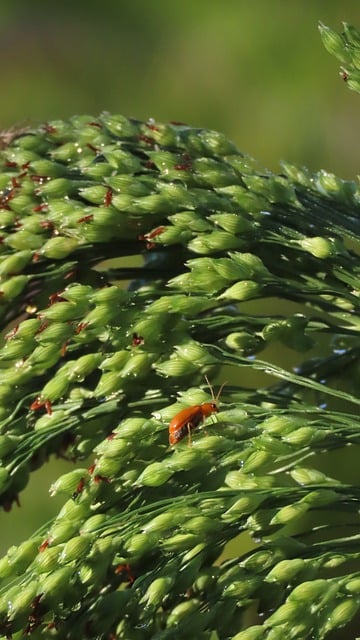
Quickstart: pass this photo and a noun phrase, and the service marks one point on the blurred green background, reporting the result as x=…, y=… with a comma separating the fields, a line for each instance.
x=255, y=70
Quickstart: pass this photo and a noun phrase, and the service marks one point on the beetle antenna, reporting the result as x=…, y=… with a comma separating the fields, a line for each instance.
x=211, y=389
x=219, y=392
x=215, y=398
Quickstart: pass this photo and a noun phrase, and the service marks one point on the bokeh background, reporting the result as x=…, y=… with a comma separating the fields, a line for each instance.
x=255, y=70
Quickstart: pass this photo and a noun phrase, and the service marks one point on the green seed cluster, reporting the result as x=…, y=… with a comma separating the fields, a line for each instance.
x=90, y=366
x=79, y=357
x=154, y=528
x=346, y=48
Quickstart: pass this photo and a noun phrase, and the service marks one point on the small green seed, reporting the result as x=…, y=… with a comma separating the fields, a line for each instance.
x=154, y=475
x=182, y=611
x=56, y=388
x=287, y=613
x=333, y=42
x=245, y=290
x=309, y=591
x=242, y=588
x=55, y=585
x=319, y=247
x=290, y=513
x=47, y=560
x=20, y=557
x=194, y=352
x=110, y=382
x=23, y=239
x=180, y=542
x=162, y=522
x=156, y=591
x=59, y=247
x=20, y=603
x=94, y=523
x=10, y=265
x=57, y=188
x=62, y=530
x=11, y=288
x=306, y=475
x=285, y=570
x=8, y=444
x=108, y=467
x=255, y=632
x=137, y=366
x=141, y=544
x=176, y=367
x=301, y=437
x=353, y=586
x=256, y=461
x=75, y=549
x=68, y=482
x=342, y=613
x=116, y=361
x=202, y=525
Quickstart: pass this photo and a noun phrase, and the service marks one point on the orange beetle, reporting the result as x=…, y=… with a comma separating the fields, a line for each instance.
x=189, y=418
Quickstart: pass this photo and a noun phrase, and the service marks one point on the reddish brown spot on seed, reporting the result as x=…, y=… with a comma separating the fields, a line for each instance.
x=46, y=224
x=64, y=348
x=183, y=167
x=12, y=333
x=125, y=569
x=137, y=340
x=39, y=179
x=40, y=404
x=49, y=128
x=55, y=297
x=79, y=489
x=149, y=236
x=81, y=326
x=35, y=603
x=15, y=183
x=87, y=218
x=44, y=324
x=44, y=545
x=92, y=147
x=48, y=407
x=91, y=468
x=98, y=478
x=149, y=164
x=151, y=126
x=37, y=404
x=146, y=139
x=108, y=198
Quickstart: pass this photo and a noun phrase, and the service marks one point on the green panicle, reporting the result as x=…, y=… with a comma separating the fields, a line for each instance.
x=143, y=267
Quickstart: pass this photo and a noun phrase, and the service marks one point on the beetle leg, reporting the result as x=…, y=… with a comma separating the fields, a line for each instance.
x=189, y=434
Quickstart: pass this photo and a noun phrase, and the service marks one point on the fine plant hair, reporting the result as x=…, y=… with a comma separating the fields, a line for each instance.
x=139, y=261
